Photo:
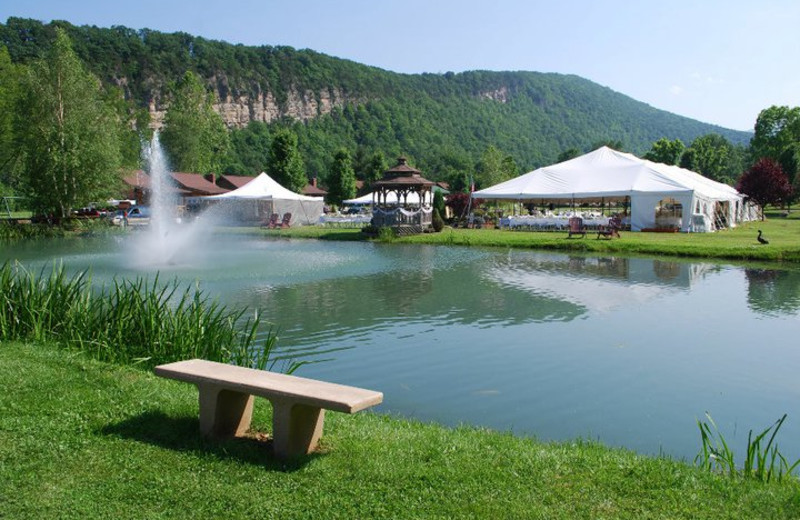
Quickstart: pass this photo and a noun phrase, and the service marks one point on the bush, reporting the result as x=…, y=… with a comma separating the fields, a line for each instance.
x=386, y=234
x=438, y=223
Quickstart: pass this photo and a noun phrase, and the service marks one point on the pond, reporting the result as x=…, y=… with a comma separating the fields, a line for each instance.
x=627, y=351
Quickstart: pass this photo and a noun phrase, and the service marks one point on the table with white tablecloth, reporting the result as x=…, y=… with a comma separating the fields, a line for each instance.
x=551, y=223
x=345, y=220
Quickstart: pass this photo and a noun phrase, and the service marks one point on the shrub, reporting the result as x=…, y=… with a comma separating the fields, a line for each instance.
x=438, y=223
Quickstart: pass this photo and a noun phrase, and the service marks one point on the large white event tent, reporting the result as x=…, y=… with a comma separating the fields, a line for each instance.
x=262, y=196
x=608, y=175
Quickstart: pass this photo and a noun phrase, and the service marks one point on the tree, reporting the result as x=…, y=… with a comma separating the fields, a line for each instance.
x=566, y=155
x=611, y=143
x=777, y=128
x=494, y=167
x=666, y=151
x=194, y=136
x=9, y=95
x=67, y=135
x=284, y=163
x=712, y=156
x=438, y=202
x=341, y=179
x=765, y=183
x=375, y=167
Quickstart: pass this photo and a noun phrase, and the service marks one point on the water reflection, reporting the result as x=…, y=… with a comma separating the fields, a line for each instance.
x=773, y=292
x=599, y=284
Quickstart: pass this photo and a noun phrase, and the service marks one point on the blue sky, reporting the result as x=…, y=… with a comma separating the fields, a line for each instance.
x=717, y=61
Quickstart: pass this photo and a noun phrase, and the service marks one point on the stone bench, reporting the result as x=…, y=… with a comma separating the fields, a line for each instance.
x=298, y=404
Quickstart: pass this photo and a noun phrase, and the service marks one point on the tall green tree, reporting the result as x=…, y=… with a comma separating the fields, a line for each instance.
x=194, y=136
x=67, y=134
x=375, y=167
x=494, y=167
x=341, y=179
x=666, y=151
x=9, y=93
x=284, y=163
x=713, y=156
x=777, y=128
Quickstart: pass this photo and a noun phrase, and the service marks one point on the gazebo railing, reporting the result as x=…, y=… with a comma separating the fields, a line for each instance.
x=390, y=217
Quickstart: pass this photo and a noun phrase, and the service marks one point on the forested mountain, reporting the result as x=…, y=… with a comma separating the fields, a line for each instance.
x=442, y=122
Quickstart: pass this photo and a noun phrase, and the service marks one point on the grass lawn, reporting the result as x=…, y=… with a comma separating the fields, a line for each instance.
x=734, y=244
x=84, y=439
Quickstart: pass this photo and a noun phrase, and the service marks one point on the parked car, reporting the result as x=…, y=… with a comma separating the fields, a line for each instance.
x=135, y=216
x=88, y=213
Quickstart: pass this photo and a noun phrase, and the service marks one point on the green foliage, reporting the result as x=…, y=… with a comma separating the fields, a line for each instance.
x=372, y=167
x=494, y=167
x=566, y=155
x=67, y=135
x=249, y=151
x=194, y=136
x=438, y=202
x=444, y=121
x=762, y=461
x=9, y=95
x=666, y=151
x=437, y=222
x=132, y=322
x=714, y=157
x=777, y=128
x=284, y=163
x=614, y=144
x=387, y=234
x=341, y=179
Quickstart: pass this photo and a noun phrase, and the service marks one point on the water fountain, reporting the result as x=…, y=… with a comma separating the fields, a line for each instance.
x=170, y=239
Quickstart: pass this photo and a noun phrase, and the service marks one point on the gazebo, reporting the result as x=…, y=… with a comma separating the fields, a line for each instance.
x=406, y=216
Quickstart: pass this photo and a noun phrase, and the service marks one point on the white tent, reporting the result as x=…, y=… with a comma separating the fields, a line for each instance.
x=696, y=203
x=263, y=195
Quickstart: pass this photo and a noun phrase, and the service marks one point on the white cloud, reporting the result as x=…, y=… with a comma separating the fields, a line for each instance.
x=676, y=90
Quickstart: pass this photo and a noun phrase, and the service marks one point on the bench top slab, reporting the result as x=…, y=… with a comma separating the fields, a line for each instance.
x=331, y=396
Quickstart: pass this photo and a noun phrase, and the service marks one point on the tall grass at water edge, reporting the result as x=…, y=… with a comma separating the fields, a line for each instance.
x=763, y=461
x=130, y=321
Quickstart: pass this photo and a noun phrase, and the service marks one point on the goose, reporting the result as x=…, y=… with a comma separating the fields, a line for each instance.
x=762, y=240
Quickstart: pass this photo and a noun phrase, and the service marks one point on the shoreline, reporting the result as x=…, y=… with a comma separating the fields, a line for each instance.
x=738, y=245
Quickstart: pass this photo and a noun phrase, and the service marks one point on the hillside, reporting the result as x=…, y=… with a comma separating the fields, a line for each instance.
x=440, y=120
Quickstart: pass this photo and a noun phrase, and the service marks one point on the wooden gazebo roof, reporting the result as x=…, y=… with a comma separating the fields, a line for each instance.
x=403, y=177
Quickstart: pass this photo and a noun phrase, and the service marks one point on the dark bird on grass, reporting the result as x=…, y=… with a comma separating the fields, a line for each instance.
x=762, y=240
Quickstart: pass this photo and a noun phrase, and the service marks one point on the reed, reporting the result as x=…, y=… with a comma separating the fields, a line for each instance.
x=130, y=321
x=763, y=461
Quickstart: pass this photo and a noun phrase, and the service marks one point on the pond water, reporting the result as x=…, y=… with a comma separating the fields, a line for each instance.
x=628, y=351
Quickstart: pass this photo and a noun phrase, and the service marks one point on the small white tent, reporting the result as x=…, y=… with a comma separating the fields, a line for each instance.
x=263, y=195
x=696, y=202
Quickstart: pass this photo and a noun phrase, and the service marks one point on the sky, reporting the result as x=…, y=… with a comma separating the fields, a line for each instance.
x=717, y=61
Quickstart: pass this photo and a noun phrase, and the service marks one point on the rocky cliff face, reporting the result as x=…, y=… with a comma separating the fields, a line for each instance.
x=237, y=110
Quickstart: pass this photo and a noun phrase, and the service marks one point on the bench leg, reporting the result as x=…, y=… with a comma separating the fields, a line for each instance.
x=224, y=413
x=296, y=428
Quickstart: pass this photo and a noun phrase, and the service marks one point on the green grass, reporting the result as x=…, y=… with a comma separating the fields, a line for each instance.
x=734, y=244
x=84, y=439
x=761, y=461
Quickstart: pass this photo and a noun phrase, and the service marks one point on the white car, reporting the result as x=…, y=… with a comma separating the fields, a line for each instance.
x=136, y=216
